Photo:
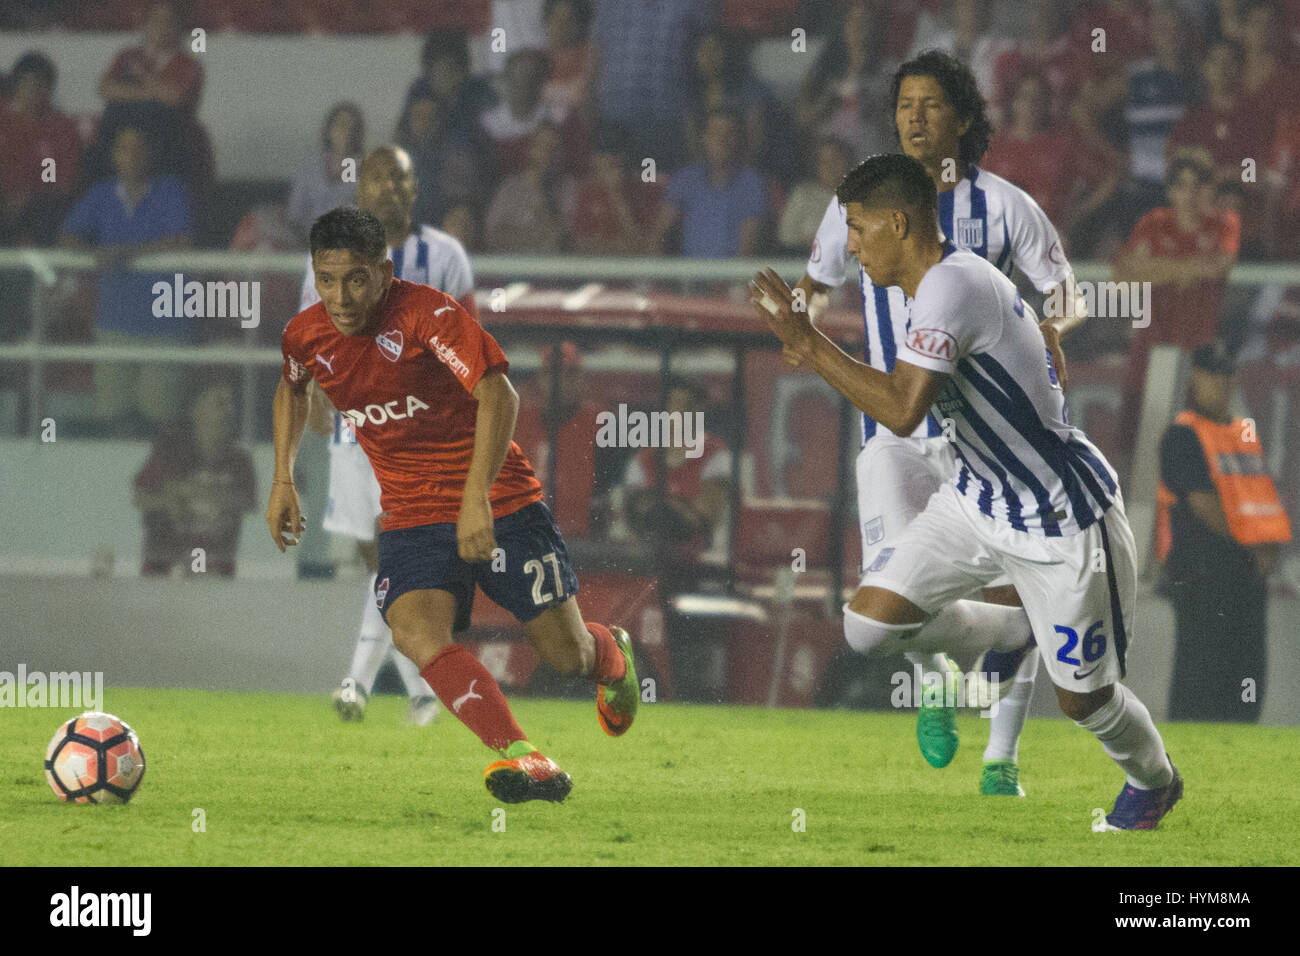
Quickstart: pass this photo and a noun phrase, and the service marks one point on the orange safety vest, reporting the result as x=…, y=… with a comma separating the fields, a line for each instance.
x=1249, y=498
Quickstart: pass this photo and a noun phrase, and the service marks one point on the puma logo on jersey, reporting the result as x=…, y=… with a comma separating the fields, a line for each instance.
x=328, y=363
x=382, y=414
x=447, y=355
x=445, y=308
x=465, y=698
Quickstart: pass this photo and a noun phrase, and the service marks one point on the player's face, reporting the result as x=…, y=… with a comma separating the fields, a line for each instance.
x=386, y=187
x=351, y=288
x=874, y=242
x=928, y=125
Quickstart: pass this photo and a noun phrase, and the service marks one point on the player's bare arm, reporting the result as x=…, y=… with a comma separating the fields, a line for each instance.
x=898, y=400
x=494, y=427
x=289, y=418
x=1057, y=326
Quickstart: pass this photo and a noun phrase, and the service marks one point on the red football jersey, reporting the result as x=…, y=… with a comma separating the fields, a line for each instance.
x=408, y=392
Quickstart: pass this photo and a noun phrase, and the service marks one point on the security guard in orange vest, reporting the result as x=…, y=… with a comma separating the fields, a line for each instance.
x=1218, y=530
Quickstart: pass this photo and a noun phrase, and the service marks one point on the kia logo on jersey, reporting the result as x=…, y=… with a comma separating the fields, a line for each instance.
x=390, y=344
x=381, y=592
x=933, y=343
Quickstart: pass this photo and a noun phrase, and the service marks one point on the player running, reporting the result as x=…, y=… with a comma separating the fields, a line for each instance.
x=1033, y=498
x=426, y=390
x=386, y=188
x=940, y=120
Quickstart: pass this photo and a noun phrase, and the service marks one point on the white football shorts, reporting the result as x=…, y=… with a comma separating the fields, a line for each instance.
x=1079, y=591
x=354, y=493
x=896, y=477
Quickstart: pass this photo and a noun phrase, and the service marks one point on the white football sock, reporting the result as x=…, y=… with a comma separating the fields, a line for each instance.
x=416, y=686
x=1126, y=731
x=1008, y=717
x=372, y=644
x=962, y=626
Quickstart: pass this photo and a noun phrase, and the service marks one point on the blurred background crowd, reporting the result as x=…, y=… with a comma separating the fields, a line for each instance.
x=1160, y=137
x=530, y=151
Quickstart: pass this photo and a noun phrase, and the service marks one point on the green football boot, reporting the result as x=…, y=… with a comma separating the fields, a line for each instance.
x=936, y=724
x=1001, y=778
x=616, y=703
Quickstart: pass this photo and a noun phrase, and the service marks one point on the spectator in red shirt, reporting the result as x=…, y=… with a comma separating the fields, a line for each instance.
x=1048, y=163
x=194, y=490
x=696, y=516
x=1229, y=127
x=575, y=437
x=569, y=86
x=1268, y=82
x=32, y=135
x=1050, y=49
x=531, y=211
x=1185, y=250
x=155, y=87
x=1281, y=222
x=615, y=211
x=846, y=89
x=510, y=125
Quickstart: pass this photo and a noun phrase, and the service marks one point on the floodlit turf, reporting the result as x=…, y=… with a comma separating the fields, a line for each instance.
x=282, y=781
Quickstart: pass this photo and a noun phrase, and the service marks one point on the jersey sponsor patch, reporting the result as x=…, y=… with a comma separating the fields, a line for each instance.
x=390, y=344
x=933, y=343
x=381, y=592
x=881, y=560
x=297, y=371
x=447, y=355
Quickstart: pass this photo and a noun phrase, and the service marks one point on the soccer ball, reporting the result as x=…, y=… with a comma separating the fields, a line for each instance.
x=94, y=758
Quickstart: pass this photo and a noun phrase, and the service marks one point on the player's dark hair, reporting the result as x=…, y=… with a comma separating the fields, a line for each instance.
x=349, y=228
x=36, y=63
x=892, y=180
x=959, y=87
x=440, y=44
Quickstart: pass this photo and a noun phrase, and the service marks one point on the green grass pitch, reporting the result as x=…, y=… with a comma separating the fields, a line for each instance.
x=281, y=781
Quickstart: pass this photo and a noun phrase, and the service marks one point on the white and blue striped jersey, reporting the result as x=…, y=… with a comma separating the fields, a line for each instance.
x=1019, y=458
x=430, y=257
x=983, y=213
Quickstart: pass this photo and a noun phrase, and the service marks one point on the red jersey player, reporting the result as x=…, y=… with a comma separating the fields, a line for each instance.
x=426, y=388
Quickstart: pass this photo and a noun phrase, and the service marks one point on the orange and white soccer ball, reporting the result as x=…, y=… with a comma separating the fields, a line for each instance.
x=94, y=758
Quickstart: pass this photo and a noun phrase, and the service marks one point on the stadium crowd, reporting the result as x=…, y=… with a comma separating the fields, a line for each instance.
x=528, y=155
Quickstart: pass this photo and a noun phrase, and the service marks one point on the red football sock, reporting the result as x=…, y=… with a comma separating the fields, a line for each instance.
x=610, y=665
x=465, y=686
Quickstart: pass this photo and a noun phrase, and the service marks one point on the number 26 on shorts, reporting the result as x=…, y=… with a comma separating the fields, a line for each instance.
x=1094, y=644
